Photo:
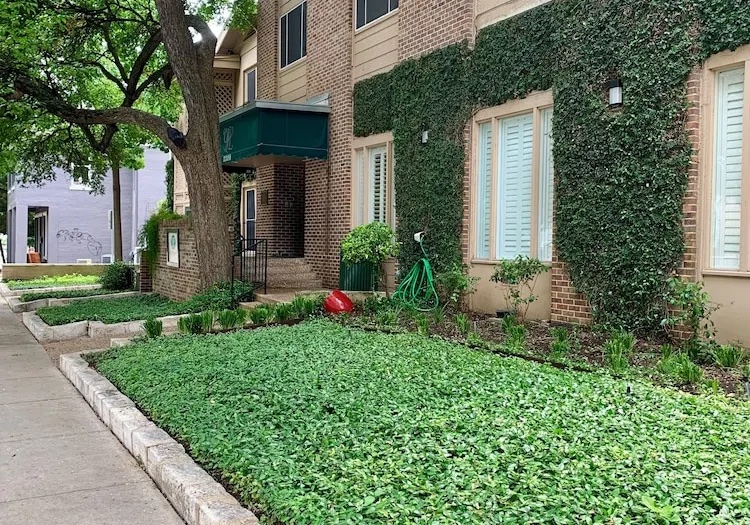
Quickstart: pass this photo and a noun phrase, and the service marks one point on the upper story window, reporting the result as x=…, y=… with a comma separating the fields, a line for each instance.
x=513, y=181
x=726, y=165
x=370, y=10
x=251, y=90
x=373, y=193
x=79, y=178
x=293, y=35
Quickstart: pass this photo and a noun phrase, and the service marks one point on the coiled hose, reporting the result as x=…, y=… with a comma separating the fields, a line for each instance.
x=417, y=289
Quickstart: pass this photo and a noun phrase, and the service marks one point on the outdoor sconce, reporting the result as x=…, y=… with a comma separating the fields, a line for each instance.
x=425, y=136
x=615, y=93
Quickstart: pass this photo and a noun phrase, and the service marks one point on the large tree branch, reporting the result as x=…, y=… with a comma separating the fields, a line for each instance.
x=139, y=66
x=115, y=55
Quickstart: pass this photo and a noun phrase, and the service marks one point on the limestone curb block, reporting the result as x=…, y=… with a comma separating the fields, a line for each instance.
x=194, y=494
x=45, y=333
x=99, y=329
x=7, y=292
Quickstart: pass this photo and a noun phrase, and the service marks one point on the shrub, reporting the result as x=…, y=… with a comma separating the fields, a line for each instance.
x=686, y=370
x=259, y=315
x=370, y=243
x=519, y=276
x=617, y=351
x=283, y=312
x=148, y=237
x=462, y=323
x=219, y=296
x=729, y=356
x=190, y=324
x=229, y=319
x=153, y=327
x=454, y=285
x=118, y=276
x=207, y=321
x=688, y=305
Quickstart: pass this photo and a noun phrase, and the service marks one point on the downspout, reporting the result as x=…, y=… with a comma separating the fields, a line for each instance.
x=134, y=219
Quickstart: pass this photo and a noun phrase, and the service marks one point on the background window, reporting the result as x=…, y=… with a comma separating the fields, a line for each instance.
x=250, y=85
x=373, y=194
x=294, y=35
x=727, y=184
x=370, y=10
x=79, y=178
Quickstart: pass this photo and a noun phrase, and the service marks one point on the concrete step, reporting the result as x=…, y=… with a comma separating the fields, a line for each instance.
x=287, y=296
x=286, y=280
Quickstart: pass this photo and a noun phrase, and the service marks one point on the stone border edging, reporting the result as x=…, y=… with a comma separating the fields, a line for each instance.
x=45, y=333
x=196, y=496
x=18, y=307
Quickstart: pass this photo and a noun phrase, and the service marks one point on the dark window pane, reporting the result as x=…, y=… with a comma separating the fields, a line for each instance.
x=360, y=13
x=250, y=205
x=376, y=9
x=284, y=46
x=294, y=21
x=394, y=4
x=250, y=85
x=304, y=29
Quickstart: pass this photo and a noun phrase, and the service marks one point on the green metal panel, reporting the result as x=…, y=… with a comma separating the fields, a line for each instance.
x=357, y=277
x=273, y=128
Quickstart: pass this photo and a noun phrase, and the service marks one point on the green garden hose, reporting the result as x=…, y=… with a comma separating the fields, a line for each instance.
x=417, y=289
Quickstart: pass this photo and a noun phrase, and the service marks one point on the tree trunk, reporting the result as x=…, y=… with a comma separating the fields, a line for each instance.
x=192, y=62
x=116, y=211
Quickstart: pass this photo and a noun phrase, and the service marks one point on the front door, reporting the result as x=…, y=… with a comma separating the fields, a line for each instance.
x=40, y=235
x=250, y=214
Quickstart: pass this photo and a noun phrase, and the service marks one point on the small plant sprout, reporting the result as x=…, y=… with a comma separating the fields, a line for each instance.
x=190, y=324
x=207, y=321
x=729, y=356
x=516, y=337
x=687, y=371
x=386, y=318
x=462, y=324
x=259, y=315
x=283, y=312
x=303, y=307
x=229, y=319
x=617, y=351
x=508, y=323
x=153, y=327
x=423, y=325
x=519, y=278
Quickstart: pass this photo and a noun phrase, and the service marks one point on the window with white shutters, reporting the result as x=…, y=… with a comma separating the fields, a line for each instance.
x=727, y=186
x=372, y=188
x=484, y=191
x=514, y=181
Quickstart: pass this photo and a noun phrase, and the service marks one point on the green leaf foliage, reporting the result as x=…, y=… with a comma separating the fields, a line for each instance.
x=54, y=281
x=118, y=276
x=320, y=423
x=620, y=175
x=70, y=294
x=369, y=243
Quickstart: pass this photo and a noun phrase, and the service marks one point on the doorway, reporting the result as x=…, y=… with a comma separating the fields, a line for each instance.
x=250, y=213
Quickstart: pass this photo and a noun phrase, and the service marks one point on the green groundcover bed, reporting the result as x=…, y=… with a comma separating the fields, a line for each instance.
x=54, y=281
x=322, y=424
x=70, y=294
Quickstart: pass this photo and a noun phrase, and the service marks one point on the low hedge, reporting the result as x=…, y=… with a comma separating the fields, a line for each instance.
x=53, y=281
x=320, y=423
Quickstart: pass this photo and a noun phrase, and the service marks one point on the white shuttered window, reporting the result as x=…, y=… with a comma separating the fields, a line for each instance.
x=514, y=182
x=727, y=186
x=372, y=190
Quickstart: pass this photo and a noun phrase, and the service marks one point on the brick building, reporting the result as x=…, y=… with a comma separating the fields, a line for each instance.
x=306, y=56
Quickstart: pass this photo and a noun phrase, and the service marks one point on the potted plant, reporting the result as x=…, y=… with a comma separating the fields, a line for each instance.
x=372, y=243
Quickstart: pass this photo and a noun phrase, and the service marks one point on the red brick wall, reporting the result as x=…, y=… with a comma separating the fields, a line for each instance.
x=281, y=220
x=268, y=49
x=425, y=25
x=177, y=283
x=688, y=268
x=328, y=195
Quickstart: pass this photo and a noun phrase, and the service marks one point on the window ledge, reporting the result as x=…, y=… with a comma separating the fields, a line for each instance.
x=295, y=64
x=374, y=23
x=726, y=273
x=494, y=262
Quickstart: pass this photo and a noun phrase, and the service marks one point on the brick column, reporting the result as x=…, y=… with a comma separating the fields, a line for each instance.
x=268, y=49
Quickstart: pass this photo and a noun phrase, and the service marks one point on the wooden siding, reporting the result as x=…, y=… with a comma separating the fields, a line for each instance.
x=376, y=48
x=490, y=11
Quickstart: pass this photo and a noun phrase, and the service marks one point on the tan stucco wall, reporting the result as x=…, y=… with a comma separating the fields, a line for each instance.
x=248, y=60
x=732, y=319
x=489, y=296
x=376, y=47
x=490, y=11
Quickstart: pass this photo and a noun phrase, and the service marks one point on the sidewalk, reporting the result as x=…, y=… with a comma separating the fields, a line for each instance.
x=58, y=463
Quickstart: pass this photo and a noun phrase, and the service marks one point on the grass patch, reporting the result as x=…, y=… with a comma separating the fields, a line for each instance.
x=70, y=294
x=122, y=309
x=320, y=423
x=54, y=281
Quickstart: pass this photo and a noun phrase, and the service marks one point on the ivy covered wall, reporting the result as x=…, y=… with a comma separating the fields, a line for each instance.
x=620, y=176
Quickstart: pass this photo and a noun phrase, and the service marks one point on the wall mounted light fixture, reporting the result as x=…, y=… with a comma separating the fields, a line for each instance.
x=425, y=136
x=615, y=93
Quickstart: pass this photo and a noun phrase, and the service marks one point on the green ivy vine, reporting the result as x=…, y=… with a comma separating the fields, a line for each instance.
x=620, y=176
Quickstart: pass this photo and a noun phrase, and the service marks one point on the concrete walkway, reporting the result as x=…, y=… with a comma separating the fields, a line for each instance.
x=58, y=463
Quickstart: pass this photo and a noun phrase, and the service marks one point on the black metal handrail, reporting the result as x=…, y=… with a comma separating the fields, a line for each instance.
x=250, y=264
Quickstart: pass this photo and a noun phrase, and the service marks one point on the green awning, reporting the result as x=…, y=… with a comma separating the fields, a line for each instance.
x=269, y=132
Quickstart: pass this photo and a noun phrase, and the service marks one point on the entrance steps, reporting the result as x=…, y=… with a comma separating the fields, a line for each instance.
x=292, y=274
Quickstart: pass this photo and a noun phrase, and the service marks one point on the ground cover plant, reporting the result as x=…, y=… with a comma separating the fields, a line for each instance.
x=53, y=281
x=124, y=309
x=61, y=294
x=323, y=423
